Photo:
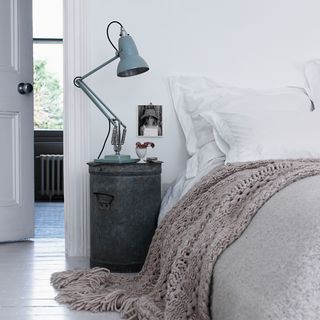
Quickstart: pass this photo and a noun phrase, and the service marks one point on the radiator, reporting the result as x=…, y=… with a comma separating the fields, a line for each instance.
x=51, y=175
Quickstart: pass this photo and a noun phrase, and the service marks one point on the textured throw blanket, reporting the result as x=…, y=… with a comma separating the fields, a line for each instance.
x=176, y=279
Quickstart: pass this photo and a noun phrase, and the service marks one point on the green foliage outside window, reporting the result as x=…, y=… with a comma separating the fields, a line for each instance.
x=48, y=111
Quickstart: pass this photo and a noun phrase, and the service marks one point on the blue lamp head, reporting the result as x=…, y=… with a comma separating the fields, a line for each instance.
x=130, y=63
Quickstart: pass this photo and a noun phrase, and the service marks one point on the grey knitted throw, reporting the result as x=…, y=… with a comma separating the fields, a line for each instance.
x=176, y=279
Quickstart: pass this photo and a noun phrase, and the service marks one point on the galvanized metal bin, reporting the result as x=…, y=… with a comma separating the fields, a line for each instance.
x=124, y=207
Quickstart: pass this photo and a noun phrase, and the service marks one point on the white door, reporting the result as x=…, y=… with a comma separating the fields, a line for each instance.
x=16, y=121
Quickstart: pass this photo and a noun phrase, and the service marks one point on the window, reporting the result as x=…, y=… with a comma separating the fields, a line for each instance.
x=48, y=64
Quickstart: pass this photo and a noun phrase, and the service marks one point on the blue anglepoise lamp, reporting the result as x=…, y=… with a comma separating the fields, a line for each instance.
x=130, y=64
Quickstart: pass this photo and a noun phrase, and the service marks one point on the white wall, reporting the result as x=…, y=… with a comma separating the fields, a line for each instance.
x=254, y=43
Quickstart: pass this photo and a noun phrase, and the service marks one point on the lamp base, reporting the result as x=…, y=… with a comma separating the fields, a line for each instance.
x=117, y=158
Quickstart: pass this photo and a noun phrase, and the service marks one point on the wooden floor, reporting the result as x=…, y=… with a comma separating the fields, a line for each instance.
x=25, y=291
x=49, y=220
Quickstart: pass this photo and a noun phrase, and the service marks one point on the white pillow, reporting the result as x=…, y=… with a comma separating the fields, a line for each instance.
x=192, y=96
x=187, y=95
x=250, y=136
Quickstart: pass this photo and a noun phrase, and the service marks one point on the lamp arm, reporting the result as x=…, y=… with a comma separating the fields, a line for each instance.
x=79, y=83
x=118, y=135
x=99, y=103
x=99, y=67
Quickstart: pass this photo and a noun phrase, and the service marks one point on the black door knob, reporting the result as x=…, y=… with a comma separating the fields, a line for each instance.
x=24, y=88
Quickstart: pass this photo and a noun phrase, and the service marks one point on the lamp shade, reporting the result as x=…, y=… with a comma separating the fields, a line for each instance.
x=130, y=63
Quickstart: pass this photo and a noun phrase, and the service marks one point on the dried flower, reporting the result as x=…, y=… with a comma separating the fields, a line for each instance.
x=144, y=145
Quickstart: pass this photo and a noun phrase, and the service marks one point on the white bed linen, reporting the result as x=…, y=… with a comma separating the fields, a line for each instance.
x=250, y=136
x=197, y=100
x=183, y=184
x=188, y=94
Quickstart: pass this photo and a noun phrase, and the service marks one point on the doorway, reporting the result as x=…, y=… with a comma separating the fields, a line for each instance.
x=48, y=118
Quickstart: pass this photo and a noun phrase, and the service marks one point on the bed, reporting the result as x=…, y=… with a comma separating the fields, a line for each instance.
x=238, y=232
x=273, y=270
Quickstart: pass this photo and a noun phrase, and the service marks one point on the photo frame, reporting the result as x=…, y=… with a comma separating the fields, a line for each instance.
x=150, y=120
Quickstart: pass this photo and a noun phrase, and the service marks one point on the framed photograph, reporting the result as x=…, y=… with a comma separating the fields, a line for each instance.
x=150, y=120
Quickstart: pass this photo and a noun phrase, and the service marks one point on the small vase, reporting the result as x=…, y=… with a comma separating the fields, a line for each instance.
x=141, y=153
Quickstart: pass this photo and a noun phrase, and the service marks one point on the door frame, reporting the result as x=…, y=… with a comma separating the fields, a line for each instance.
x=76, y=131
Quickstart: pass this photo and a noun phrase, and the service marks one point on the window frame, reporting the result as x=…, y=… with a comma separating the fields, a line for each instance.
x=47, y=41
